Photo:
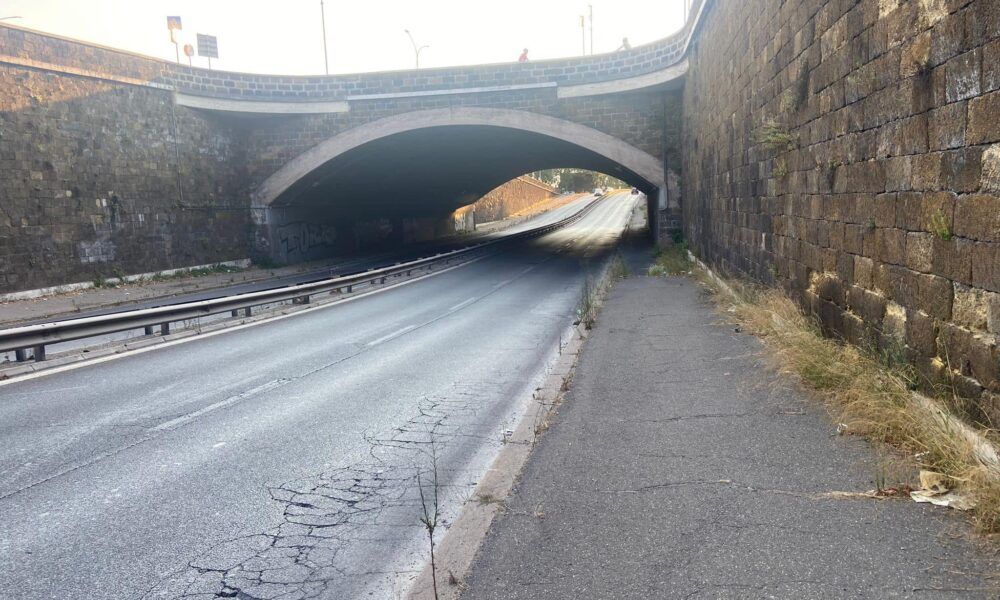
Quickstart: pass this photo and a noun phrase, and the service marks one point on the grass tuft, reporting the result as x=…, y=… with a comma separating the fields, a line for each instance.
x=776, y=137
x=670, y=260
x=872, y=393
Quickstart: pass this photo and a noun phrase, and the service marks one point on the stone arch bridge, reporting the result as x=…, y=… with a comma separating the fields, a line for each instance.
x=144, y=164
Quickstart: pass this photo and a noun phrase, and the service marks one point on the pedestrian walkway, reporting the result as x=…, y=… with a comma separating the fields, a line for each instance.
x=680, y=467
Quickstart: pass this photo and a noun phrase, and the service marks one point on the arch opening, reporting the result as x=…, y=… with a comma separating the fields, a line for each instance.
x=423, y=166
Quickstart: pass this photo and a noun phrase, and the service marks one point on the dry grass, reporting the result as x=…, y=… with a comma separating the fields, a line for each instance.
x=594, y=290
x=875, y=398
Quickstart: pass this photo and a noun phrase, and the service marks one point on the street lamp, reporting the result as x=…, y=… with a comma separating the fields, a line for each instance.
x=416, y=50
x=591, y=8
x=326, y=55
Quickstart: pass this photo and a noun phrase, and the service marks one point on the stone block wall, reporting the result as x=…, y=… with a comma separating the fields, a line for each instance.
x=501, y=202
x=101, y=178
x=850, y=150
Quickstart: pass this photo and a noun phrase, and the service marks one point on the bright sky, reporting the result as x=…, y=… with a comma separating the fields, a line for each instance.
x=284, y=37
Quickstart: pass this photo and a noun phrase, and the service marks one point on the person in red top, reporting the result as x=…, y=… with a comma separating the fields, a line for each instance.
x=524, y=56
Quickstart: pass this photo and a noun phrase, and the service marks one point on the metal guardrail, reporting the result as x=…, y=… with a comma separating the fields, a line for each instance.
x=36, y=337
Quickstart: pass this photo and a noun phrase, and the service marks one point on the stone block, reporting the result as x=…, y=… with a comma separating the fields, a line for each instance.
x=921, y=332
x=971, y=307
x=984, y=119
x=898, y=173
x=991, y=66
x=985, y=261
x=977, y=217
x=953, y=259
x=962, y=76
x=926, y=171
x=990, y=170
x=920, y=251
x=863, y=271
x=866, y=304
x=961, y=169
x=916, y=56
x=891, y=245
x=935, y=296
x=946, y=126
x=885, y=210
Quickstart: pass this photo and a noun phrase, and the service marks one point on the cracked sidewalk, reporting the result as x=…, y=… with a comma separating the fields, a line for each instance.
x=680, y=467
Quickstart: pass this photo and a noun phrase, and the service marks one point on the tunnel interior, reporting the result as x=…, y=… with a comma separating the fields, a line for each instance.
x=368, y=195
x=435, y=170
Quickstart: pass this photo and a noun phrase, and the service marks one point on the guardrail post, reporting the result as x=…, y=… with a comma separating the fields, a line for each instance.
x=39, y=353
x=234, y=313
x=301, y=300
x=247, y=311
x=148, y=330
x=20, y=355
x=350, y=288
x=165, y=329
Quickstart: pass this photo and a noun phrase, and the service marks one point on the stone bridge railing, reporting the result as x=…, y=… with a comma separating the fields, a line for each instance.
x=38, y=50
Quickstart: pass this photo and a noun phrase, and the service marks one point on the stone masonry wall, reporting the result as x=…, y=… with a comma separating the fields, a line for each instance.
x=850, y=150
x=511, y=197
x=100, y=178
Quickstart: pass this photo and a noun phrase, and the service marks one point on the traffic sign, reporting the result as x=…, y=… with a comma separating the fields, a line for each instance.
x=208, y=45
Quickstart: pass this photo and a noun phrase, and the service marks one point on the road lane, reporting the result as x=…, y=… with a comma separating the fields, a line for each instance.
x=181, y=469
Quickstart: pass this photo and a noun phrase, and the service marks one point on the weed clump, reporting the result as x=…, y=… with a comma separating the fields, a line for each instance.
x=672, y=260
x=776, y=137
x=939, y=226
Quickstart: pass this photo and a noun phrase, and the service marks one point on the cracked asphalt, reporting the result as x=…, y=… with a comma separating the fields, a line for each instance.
x=679, y=466
x=285, y=460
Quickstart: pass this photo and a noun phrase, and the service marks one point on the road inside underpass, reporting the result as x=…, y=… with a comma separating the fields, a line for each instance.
x=281, y=460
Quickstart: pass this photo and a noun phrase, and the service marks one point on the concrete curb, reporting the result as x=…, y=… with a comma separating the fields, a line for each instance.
x=457, y=550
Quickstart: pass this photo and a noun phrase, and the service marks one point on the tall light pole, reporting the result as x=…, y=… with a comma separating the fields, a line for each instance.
x=583, y=34
x=591, y=8
x=326, y=55
x=416, y=50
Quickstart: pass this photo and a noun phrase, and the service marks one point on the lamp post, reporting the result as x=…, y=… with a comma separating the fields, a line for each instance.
x=416, y=50
x=590, y=7
x=326, y=55
x=583, y=33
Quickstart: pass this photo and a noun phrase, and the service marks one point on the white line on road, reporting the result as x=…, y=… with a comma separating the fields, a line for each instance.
x=270, y=385
x=462, y=305
x=394, y=334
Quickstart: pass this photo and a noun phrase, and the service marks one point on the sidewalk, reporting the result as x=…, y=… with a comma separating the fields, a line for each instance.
x=679, y=467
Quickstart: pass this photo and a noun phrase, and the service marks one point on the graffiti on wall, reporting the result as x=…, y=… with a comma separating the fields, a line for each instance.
x=301, y=237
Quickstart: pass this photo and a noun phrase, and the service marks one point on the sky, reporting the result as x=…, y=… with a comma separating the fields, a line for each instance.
x=285, y=37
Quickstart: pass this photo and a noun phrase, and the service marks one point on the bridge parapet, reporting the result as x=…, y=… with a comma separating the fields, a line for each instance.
x=40, y=50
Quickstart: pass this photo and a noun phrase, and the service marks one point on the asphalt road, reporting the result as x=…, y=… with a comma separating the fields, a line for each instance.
x=282, y=460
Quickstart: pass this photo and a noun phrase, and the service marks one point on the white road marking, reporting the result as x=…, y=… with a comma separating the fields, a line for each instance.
x=394, y=334
x=270, y=385
x=462, y=305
